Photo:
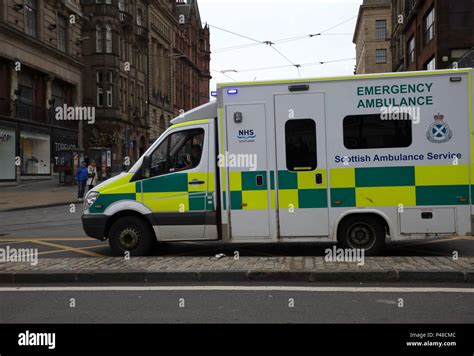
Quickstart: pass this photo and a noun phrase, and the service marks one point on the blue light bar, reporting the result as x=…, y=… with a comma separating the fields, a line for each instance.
x=214, y=93
x=232, y=91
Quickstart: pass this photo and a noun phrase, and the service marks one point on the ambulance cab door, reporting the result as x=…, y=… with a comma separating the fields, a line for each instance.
x=302, y=196
x=179, y=189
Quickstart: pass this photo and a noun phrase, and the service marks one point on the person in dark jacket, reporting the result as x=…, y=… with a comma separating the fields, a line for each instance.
x=81, y=177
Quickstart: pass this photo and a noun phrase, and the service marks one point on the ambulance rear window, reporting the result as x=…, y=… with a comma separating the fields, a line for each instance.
x=300, y=137
x=371, y=131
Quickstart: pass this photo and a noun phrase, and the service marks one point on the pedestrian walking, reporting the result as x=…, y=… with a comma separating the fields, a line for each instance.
x=92, y=174
x=81, y=178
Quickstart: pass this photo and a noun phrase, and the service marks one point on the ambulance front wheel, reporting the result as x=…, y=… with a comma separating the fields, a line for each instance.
x=364, y=232
x=131, y=234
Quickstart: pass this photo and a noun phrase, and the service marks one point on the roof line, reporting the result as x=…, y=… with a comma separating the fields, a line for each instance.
x=353, y=77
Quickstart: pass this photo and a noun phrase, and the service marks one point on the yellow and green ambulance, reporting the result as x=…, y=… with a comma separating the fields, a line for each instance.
x=356, y=160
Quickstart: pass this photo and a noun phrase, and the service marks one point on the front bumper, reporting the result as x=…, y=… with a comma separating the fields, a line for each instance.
x=94, y=225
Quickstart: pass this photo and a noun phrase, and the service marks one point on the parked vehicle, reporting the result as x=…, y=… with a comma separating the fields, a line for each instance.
x=356, y=160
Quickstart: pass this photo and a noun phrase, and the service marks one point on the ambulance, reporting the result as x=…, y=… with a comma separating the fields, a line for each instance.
x=357, y=161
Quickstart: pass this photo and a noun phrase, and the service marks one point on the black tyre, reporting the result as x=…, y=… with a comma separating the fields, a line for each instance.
x=362, y=232
x=132, y=234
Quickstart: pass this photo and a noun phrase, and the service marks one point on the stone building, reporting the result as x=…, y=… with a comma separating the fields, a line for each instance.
x=192, y=57
x=162, y=30
x=372, y=37
x=115, y=50
x=431, y=34
x=40, y=69
x=144, y=61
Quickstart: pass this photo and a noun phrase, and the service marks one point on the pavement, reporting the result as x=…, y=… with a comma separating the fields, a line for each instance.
x=192, y=268
x=34, y=194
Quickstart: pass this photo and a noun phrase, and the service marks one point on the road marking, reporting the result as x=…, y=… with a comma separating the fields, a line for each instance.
x=70, y=249
x=242, y=288
x=12, y=242
x=37, y=238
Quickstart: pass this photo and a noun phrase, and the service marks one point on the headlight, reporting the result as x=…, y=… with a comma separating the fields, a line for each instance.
x=90, y=199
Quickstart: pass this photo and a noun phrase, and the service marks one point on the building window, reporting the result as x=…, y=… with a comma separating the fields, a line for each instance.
x=411, y=50
x=99, y=39
x=381, y=30
x=30, y=17
x=429, y=26
x=109, y=95
x=108, y=38
x=58, y=94
x=109, y=76
x=100, y=96
x=371, y=132
x=100, y=89
x=62, y=33
x=380, y=56
x=431, y=65
x=35, y=153
x=139, y=18
x=300, y=142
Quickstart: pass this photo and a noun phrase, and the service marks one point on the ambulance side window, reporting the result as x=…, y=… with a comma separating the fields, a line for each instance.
x=300, y=141
x=179, y=151
x=371, y=131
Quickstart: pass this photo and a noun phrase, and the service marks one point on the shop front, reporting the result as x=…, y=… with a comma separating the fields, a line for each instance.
x=7, y=153
x=63, y=140
x=35, y=152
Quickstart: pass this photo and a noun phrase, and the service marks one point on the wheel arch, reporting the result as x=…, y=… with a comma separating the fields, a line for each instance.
x=122, y=213
x=385, y=220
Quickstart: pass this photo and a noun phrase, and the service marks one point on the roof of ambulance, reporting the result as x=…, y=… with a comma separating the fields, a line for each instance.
x=209, y=110
x=352, y=77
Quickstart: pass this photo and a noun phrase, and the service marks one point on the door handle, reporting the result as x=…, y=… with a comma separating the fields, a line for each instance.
x=319, y=178
x=196, y=182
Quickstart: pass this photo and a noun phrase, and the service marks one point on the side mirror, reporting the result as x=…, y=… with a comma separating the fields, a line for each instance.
x=146, y=167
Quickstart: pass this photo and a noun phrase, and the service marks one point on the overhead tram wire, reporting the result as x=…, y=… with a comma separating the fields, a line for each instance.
x=282, y=40
x=268, y=43
x=298, y=65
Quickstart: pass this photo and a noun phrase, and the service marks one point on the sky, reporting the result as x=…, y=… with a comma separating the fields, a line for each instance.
x=272, y=20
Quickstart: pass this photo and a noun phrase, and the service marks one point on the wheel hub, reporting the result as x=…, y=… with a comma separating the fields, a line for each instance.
x=361, y=236
x=129, y=238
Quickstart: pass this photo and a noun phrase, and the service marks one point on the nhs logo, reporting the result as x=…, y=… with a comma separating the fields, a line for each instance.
x=246, y=136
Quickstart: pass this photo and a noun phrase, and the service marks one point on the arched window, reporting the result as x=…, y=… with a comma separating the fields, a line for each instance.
x=99, y=37
x=108, y=38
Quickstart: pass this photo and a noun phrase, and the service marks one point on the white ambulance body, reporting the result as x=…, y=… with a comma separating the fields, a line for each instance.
x=357, y=160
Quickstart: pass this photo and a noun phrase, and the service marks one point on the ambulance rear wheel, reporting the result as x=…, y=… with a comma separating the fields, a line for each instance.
x=132, y=234
x=362, y=232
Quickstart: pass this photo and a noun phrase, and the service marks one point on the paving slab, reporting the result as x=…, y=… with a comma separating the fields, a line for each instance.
x=315, y=269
